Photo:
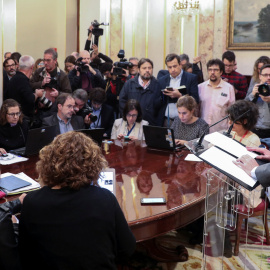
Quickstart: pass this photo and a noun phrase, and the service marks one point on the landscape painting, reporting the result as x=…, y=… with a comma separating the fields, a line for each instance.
x=248, y=25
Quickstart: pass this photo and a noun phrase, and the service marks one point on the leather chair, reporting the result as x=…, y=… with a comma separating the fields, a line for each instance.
x=260, y=210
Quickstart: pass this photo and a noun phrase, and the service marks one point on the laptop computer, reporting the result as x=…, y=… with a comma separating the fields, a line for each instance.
x=36, y=139
x=95, y=134
x=160, y=138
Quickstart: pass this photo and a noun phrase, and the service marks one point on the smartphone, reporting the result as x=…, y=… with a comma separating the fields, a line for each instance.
x=168, y=88
x=126, y=138
x=153, y=201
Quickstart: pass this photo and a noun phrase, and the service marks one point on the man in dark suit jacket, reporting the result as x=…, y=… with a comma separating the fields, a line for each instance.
x=176, y=77
x=65, y=118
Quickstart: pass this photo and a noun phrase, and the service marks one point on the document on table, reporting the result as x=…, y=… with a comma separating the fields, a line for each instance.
x=11, y=159
x=192, y=157
x=228, y=145
x=224, y=162
x=34, y=184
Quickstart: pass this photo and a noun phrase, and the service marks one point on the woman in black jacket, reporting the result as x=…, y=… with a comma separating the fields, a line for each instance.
x=13, y=129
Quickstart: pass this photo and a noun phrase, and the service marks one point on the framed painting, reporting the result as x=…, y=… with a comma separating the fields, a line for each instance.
x=248, y=25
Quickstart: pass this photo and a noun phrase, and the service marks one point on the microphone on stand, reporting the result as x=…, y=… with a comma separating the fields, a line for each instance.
x=228, y=132
x=199, y=144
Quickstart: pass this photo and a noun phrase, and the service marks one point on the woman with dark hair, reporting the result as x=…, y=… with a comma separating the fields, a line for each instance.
x=187, y=126
x=69, y=63
x=71, y=222
x=131, y=125
x=13, y=129
x=241, y=130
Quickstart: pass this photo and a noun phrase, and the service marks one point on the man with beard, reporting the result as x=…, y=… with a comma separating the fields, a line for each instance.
x=216, y=96
x=8, y=72
x=145, y=89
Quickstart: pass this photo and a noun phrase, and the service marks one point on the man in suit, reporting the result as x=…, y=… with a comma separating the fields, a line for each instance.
x=176, y=77
x=65, y=118
x=253, y=169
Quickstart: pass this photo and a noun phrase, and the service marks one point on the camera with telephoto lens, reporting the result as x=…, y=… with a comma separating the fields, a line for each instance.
x=81, y=66
x=89, y=111
x=119, y=67
x=46, y=102
x=264, y=90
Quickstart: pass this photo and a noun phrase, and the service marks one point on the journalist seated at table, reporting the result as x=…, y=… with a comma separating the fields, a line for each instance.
x=131, y=125
x=13, y=127
x=187, y=126
x=71, y=222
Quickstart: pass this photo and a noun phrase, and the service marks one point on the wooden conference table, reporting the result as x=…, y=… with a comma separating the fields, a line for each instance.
x=145, y=173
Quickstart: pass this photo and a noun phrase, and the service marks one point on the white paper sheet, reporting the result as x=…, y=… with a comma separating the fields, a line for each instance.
x=222, y=160
x=11, y=159
x=192, y=157
x=228, y=144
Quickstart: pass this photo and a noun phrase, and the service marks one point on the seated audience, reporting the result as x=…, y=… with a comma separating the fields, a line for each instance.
x=261, y=61
x=65, y=118
x=216, y=96
x=131, y=124
x=262, y=128
x=241, y=130
x=72, y=223
x=69, y=63
x=103, y=112
x=237, y=80
x=13, y=129
x=187, y=126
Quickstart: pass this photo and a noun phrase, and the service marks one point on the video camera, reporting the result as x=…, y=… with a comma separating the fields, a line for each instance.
x=97, y=32
x=81, y=66
x=119, y=67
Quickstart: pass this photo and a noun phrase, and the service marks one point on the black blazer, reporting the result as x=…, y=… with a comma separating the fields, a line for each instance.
x=77, y=122
x=107, y=118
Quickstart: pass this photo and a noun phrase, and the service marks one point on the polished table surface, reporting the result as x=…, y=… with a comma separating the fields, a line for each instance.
x=146, y=173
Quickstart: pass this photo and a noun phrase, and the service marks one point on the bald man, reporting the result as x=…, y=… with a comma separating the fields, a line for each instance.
x=84, y=76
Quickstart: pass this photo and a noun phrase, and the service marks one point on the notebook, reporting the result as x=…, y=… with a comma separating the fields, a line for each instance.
x=160, y=138
x=36, y=139
x=11, y=183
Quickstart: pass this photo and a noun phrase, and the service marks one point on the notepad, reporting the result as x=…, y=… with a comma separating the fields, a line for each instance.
x=11, y=183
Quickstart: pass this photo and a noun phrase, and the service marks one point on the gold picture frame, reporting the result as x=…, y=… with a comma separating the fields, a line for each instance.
x=246, y=27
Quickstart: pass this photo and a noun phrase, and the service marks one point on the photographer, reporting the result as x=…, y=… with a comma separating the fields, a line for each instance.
x=102, y=114
x=261, y=97
x=84, y=76
x=114, y=85
x=51, y=78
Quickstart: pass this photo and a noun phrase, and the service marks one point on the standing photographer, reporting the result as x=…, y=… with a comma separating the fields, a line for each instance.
x=261, y=98
x=84, y=76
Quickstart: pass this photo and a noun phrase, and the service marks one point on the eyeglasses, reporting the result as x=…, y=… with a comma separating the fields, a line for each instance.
x=213, y=69
x=8, y=66
x=14, y=114
x=265, y=75
x=132, y=115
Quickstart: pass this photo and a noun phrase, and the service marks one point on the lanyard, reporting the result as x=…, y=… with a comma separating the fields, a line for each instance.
x=129, y=131
x=242, y=136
